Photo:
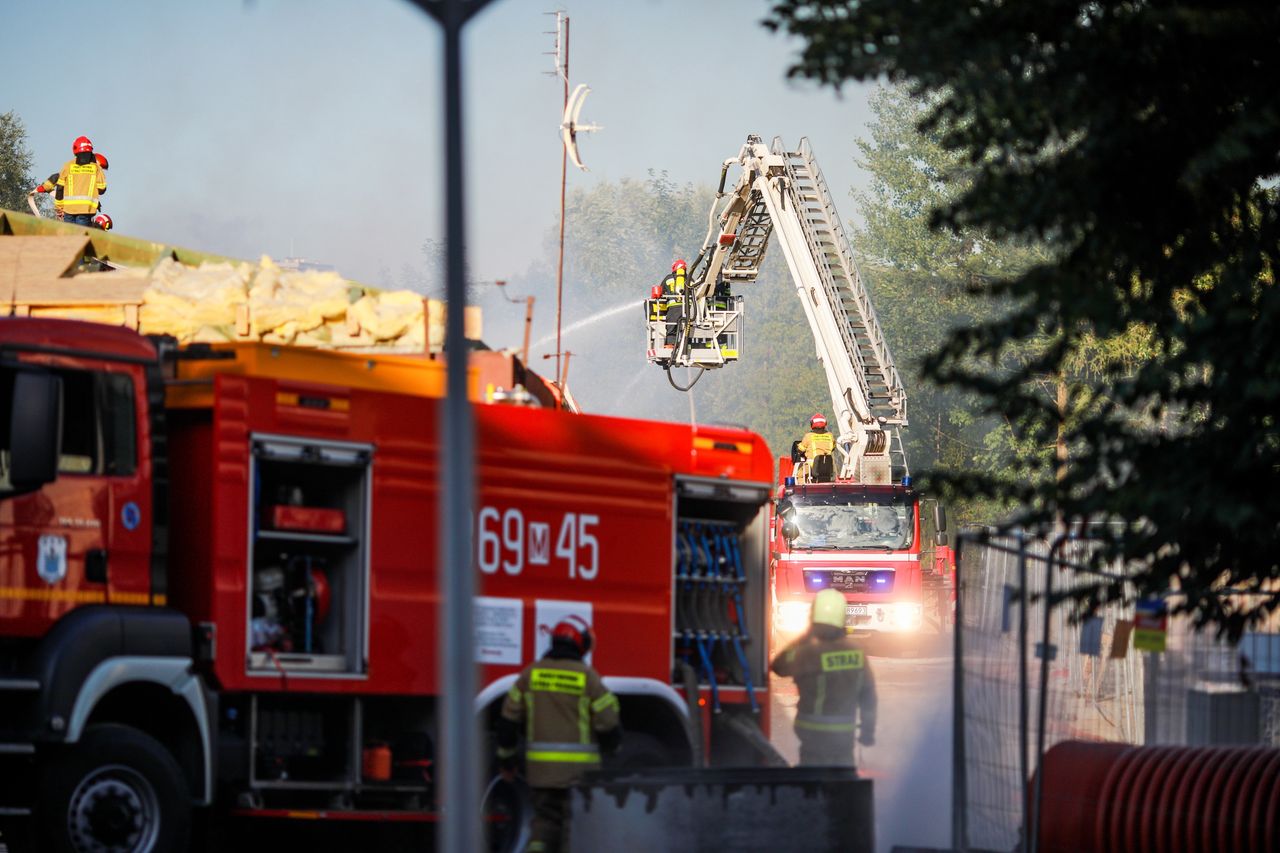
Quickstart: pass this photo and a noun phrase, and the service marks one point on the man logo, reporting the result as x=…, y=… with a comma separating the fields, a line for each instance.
x=539, y=543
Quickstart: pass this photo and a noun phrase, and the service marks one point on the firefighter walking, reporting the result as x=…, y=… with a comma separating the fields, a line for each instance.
x=835, y=683
x=569, y=717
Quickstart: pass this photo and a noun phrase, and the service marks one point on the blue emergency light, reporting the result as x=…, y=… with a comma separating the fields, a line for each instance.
x=906, y=482
x=789, y=482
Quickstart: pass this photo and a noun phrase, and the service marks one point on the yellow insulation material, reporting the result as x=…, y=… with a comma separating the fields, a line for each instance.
x=283, y=304
x=190, y=303
x=238, y=301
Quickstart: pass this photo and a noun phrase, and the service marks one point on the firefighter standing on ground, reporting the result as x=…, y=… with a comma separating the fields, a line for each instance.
x=79, y=185
x=569, y=717
x=835, y=683
x=818, y=442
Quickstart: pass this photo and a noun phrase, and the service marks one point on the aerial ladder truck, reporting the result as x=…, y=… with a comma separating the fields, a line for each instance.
x=862, y=533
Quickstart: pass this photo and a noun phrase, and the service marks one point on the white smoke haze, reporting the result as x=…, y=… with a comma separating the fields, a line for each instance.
x=910, y=764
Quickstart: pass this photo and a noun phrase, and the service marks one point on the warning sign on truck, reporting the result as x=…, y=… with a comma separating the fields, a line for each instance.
x=498, y=633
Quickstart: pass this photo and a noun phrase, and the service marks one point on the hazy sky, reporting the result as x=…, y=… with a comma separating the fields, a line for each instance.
x=313, y=126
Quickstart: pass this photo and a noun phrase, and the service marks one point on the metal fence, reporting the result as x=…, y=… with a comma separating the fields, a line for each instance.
x=1029, y=676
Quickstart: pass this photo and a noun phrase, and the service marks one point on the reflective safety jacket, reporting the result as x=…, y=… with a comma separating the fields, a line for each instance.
x=80, y=184
x=565, y=708
x=817, y=444
x=836, y=686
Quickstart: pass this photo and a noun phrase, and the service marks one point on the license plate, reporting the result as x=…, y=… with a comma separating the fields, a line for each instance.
x=855, y=610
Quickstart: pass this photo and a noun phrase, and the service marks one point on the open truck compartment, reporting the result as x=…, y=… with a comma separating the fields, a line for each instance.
x=308, y=599
x=719, y=605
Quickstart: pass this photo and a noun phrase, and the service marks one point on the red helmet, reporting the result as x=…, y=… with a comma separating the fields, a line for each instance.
x=102, y=160
x=574, y=629
x=102, y=221
x=679, y=265
x=81, y=145
x=818, y=421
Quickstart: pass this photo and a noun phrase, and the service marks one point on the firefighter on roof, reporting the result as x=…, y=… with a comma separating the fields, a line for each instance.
x=568, y=717
x=818, y=445
x=81, y=182
x=835, y=683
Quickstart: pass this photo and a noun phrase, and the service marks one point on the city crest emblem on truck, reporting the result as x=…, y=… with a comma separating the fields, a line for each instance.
x=52, y=564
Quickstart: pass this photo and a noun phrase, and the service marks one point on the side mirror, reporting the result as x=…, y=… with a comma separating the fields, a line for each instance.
x=35, y=430
x=790, y=531
x=939, y=518
x=786, y=509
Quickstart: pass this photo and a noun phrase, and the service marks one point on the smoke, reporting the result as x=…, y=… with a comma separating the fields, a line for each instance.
x=911, y=761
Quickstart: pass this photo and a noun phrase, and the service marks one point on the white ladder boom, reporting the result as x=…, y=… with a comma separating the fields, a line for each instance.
x=783, y=192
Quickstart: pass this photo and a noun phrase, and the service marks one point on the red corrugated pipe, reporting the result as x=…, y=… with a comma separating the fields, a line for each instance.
x=1119, y=798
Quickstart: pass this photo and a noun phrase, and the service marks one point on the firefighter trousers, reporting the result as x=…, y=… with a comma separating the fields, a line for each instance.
x=550, y=821
x=825, y=749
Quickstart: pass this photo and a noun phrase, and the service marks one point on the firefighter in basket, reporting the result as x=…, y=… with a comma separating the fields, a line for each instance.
x=667, y=301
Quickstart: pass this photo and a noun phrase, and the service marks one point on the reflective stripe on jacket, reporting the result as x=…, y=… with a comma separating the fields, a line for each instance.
x=817, y=444
x=563, y=705
x=81, y=184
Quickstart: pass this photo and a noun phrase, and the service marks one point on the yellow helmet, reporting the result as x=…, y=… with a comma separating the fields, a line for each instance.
x=828, y=608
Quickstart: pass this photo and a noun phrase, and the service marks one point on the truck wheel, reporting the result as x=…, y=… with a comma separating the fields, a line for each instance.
x=116, y=791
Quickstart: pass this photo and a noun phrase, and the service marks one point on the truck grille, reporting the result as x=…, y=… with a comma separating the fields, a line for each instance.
x=849, y=580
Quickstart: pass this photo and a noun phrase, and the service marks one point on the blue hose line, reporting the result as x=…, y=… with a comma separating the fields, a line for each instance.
x=711, y=675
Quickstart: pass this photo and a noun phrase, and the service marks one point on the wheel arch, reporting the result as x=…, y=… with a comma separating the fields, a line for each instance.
x=648, y=705
x=161, y=697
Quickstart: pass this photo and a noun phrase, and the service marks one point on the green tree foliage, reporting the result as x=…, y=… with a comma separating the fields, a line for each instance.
x=923, y=280
x=1140, y=139
x=15, y=163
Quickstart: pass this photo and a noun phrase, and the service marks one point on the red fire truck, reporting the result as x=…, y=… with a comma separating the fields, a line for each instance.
x=870, y=542
x=218, y=580
x=855, y=526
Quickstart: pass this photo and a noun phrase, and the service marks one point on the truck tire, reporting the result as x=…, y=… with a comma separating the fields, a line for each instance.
x=116, y=791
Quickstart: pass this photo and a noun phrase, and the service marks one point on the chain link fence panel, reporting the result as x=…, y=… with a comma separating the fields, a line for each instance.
x=1030, y=676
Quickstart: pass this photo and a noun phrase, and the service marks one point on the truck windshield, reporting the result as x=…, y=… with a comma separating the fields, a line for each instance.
x=843, y=521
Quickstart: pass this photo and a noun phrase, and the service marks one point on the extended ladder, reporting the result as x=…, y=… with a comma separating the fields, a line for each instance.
x=842, y=283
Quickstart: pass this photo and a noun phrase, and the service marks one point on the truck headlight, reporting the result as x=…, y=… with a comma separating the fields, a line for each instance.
x=792, y=617
x=907, y=615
